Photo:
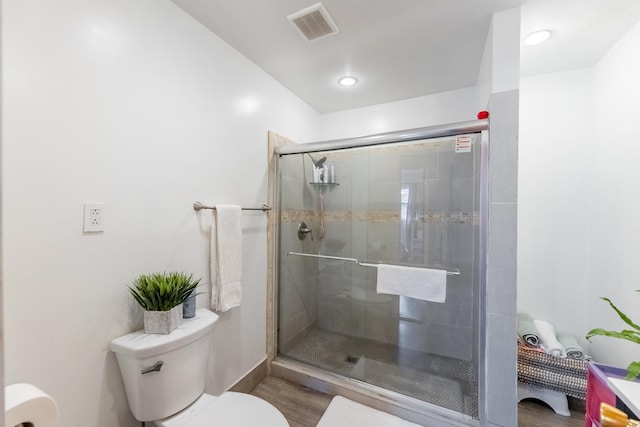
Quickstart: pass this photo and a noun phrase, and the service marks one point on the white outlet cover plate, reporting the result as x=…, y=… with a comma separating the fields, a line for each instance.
x=93, y=217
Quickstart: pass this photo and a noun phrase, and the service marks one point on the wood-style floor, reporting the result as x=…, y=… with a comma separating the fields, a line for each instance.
x=303, y=407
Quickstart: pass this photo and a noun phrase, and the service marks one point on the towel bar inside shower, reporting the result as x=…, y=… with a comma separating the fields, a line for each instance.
x=357, y=261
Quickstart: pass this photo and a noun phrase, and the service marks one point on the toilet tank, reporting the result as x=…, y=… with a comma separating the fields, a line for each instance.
x=183, y=356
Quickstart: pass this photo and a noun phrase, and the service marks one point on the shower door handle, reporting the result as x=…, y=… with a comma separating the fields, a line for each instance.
x=303, y=230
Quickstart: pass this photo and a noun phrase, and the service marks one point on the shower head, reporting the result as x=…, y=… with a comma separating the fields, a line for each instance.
x=320, y=162
x=317, y=163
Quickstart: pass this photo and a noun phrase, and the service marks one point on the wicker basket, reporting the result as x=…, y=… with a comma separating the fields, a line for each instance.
x=568, y=376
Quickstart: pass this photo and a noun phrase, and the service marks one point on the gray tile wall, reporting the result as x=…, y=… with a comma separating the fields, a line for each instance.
x=299, y=278
x=362, y=221
x=500, y=356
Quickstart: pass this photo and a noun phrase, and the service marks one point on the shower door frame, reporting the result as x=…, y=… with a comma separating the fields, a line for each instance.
x=328, y=382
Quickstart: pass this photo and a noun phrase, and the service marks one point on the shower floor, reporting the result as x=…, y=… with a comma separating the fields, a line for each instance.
x=443, y=381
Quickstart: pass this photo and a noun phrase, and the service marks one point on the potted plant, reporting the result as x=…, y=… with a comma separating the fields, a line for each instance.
x=161, y=296
x=633, y=335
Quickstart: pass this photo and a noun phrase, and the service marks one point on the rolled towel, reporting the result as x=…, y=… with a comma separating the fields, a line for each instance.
x=527, y=330
x=548, y=339
x=570, y=344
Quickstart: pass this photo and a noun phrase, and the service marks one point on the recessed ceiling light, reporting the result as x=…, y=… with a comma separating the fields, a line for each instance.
x=347, y=81
x=537, y=37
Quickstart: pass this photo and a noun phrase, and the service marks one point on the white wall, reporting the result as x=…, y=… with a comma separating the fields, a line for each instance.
x=578, y=214
x=614, y=202
x=446, y=107
x=2, y=377
x=499, y=69
x=553, y=225
x=136, y=105
x=498, y=73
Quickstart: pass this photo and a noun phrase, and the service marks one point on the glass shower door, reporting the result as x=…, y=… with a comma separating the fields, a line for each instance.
x=409, y=204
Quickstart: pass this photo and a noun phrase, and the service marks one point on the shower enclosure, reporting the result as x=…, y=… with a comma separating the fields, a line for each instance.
x=410, y=199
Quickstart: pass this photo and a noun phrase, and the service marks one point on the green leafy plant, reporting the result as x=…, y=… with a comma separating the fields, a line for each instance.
x=633, y=335
x=162, y=291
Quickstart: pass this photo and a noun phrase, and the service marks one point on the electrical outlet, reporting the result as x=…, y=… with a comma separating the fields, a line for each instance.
x=93, y=217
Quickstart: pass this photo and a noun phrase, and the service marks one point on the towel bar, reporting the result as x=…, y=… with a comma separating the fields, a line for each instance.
x=199, y=206
x=362, y=263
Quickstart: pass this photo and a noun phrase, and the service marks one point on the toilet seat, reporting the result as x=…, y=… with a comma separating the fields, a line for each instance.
x=230, y=409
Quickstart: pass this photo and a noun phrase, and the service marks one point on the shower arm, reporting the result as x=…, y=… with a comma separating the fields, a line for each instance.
x=317, y=163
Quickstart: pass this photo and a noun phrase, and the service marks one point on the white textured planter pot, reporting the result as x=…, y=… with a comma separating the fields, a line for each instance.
x=162, y=322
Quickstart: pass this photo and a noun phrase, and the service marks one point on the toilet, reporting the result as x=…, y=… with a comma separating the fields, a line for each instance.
x=164, y=377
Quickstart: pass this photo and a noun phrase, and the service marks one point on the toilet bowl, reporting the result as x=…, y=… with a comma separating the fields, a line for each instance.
x=164, y=377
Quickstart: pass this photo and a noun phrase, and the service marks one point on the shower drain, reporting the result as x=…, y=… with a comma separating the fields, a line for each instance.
x=352, y=359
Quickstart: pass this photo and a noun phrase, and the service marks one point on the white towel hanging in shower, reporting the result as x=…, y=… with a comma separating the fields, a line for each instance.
x=226, y=258
x=421, y=283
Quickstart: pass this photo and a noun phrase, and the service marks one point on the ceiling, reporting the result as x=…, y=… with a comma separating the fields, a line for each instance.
x=405, y=48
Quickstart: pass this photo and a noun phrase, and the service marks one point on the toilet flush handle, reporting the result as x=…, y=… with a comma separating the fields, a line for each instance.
x=155, y=368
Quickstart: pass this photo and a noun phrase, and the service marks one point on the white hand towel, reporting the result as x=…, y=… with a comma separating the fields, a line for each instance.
x=421, y=283
x=226, y=258
x=547, y=334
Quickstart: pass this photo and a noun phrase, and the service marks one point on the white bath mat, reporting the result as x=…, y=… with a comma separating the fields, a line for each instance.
x=347, y=413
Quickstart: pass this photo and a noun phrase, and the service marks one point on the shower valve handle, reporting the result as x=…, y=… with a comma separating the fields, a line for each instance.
x=303, y=230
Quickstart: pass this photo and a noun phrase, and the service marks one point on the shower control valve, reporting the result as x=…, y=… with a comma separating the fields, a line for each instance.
x=303, y=230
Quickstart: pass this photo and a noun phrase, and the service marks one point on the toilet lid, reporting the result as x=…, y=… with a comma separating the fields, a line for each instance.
x=229, y=410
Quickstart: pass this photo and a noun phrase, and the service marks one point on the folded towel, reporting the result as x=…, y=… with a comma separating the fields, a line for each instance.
x=226, y=258
x=421, y=283
x=547, y=334
x=527, y=330
x=570, y=344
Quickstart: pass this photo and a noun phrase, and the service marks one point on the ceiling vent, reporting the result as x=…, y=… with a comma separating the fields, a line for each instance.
x=314, y=22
